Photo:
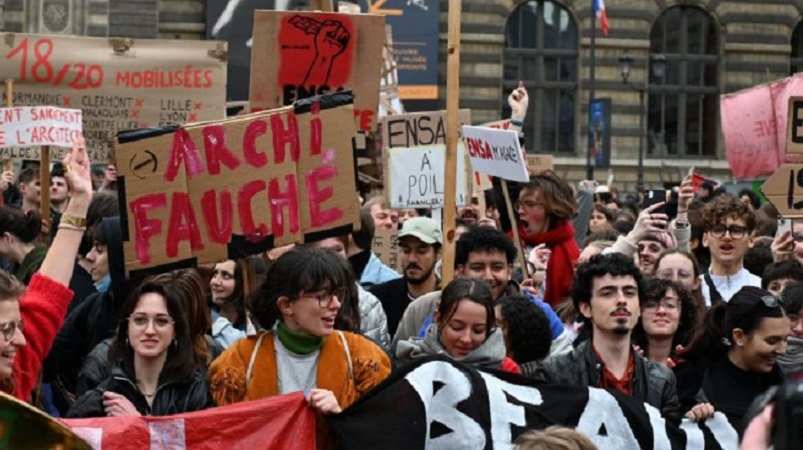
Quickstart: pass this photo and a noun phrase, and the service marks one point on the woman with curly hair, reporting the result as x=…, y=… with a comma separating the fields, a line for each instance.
x=668, y=320
x=525, y=329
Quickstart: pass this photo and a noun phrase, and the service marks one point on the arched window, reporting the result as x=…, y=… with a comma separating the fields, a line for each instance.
x=796, y=59
x=541, y=49
x=684, y=105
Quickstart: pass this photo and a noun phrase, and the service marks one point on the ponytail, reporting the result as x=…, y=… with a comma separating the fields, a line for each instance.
x=711, y=339
x=24, y=226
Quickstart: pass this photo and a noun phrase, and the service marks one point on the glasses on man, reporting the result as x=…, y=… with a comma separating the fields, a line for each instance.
x=9, y=329
x=669, y=304
x=736, y=231
x=141, y=321
x=325, y=299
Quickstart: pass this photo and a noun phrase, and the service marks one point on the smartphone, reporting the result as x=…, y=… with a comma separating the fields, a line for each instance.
x=784, y=225
x=653, y=196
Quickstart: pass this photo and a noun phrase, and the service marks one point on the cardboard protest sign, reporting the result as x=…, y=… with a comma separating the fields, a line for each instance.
x=33, y=126
x=784, y=189
x=119, y=84
x=495, y=152
x=385, y=246
x=539, y=163
x=481, y=183
x=300, y=54
x=212, y=190
x=23, y=426
x=794, y=142
x=415, y=153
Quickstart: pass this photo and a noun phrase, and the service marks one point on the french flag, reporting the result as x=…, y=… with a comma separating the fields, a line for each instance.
x=599, y=10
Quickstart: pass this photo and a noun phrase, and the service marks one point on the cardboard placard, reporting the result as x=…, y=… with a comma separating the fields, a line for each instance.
x=539, y=163
x=24, y=426
x=300, y=54
x=216, y=190
x=784, y=190
x=794, y=140
x=34, y=126
x=119, y=84
x=385, y=246
x=495, y=152
x=415, y=152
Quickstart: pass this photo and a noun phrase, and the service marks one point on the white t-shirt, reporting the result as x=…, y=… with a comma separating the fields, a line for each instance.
x=728, y=285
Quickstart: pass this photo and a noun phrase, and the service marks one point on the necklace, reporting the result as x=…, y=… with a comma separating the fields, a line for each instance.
x=149, y=395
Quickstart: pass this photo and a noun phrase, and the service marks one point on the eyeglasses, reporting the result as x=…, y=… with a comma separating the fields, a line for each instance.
x=325, y=299
x=528, y=204
x=736, y=231
x=669, y=274
x=669, y=304
x=160, y=322
x=9, y=329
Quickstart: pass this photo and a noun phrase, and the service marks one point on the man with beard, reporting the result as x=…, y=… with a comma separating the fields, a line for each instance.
x=607, y=292
x=729, y=226
x=420, y=242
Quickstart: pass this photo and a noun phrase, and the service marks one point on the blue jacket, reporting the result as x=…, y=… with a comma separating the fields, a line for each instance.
x=376, y=272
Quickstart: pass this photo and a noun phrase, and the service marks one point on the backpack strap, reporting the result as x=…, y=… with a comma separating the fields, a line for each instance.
x=348, y=353
x=713, y=293
x=252, y=362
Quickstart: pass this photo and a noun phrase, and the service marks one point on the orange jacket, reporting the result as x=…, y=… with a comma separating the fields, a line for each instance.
x=370, y=366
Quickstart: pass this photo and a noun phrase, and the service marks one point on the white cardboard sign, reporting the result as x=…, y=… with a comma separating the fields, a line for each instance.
x=495, y=152
x=416, y=176
x=35, y=126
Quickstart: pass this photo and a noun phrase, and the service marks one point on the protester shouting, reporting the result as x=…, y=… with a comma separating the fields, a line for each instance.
x=734, y=356
x=546, y=206
x=43, y=305
x=298, y=304
x=668, y=320
x=608, y=292
x=227, y=295
x=18, y=231
x=155, y=371
x=189, y=286
x=464, y=329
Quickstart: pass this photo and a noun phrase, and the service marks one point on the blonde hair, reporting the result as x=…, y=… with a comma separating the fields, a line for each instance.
x=554, y=438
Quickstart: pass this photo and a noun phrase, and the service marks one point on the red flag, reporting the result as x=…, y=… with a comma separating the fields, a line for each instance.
x=283, y=422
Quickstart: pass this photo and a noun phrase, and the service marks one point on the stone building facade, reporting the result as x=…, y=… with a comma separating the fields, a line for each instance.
x=713, y=47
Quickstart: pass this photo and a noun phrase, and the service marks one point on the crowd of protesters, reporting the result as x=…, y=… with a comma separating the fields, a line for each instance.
x=657, y=303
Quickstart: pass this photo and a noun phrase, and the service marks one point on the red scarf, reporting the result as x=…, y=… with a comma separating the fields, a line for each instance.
x=560, y=268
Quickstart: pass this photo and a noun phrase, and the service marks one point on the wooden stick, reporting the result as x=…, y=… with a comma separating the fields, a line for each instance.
x=452, y=124
x=322, y=5
x=9, y=104
x=515, y=227
x=44, y=189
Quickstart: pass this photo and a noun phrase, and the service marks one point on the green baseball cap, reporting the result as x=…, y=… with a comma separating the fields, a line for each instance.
x=424, y=228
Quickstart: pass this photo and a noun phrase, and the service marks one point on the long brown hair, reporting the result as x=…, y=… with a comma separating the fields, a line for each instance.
x=11, y=290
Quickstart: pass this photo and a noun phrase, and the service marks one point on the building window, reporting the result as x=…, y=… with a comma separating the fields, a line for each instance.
x=541, y=49
x=796, y=59
x=684, y=105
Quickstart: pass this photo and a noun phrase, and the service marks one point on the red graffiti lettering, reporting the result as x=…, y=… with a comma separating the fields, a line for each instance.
x=252, y=156
x=219, y=227
x=283, y=136
x=364, y=119
x=279, y=199
x=183, y=151
x=319, y=195
x=251, y=231
x=183, y=226
x=216, y=150
x=146, y=228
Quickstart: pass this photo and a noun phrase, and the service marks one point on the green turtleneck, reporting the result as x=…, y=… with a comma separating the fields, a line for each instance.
x=298, y=342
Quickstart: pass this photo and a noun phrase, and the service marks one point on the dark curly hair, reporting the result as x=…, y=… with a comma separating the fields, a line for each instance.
x=483, y=239
x=654, y=290
x=528, y=334
x=726, y=206
x=782, y=269
x=615, y=264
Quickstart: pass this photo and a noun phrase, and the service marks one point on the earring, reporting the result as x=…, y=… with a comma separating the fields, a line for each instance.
x=126, y=342
x=175, y=343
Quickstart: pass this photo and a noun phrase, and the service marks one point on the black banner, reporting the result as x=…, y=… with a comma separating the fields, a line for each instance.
x=437, y=403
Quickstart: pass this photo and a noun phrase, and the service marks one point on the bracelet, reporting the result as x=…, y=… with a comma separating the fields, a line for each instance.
x=74, y=221
x=69, y=226
x=516, y=123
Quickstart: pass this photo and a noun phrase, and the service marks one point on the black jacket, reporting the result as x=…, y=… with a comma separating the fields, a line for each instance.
x=96, y=365
x=171, y=398
x=653, y=384
x=91, y=322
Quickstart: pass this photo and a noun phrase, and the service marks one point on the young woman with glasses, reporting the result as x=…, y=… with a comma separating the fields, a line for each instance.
x=301, y=351
x=668, y=320
x=155, y=371
x=733, y=357
x=681, y=266
x=41, y=306
x=464, y=329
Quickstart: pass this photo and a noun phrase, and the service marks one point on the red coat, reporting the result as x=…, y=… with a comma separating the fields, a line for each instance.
x=43, y=308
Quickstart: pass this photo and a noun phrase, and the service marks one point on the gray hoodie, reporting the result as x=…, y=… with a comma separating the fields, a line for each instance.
x=488, y=355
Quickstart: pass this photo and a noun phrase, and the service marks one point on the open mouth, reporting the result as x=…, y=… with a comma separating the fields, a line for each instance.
x=329, y=322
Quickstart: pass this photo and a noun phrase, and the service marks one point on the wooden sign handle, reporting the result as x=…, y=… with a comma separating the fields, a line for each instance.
x=514, y=225
x=9, y=103
x=44, y=189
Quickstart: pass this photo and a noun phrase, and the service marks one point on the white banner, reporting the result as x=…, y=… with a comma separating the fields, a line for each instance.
x=416, y=176
x=496, y=152
x=35, y=126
